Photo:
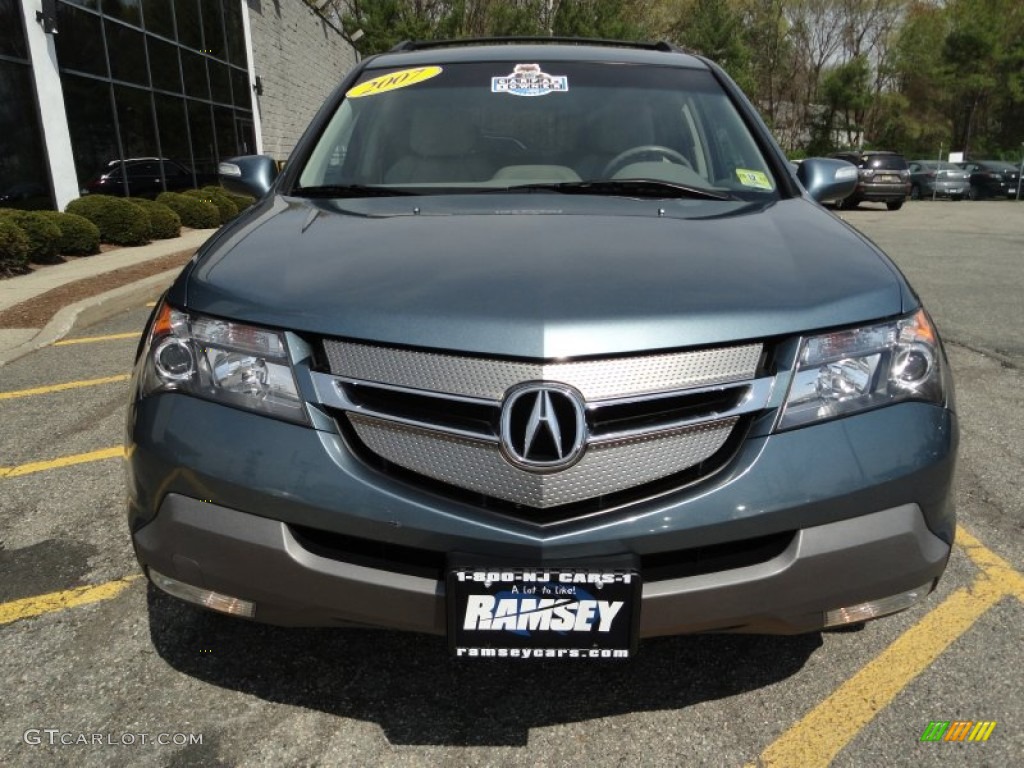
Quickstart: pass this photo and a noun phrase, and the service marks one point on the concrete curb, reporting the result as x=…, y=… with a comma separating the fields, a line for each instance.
x=93, y=310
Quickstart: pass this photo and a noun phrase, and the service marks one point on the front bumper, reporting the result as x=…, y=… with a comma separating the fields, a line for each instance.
x=217, y=496
x=824, y=567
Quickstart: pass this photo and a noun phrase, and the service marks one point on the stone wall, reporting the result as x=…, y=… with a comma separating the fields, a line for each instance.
x=300, y=58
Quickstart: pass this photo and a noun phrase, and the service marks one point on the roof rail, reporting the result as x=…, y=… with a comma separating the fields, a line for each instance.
x=419, y=45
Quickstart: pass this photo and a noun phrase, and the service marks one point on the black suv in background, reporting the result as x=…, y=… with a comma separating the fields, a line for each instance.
x=883, y=178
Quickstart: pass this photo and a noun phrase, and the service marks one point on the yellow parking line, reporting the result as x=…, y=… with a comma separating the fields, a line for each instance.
x=58, y=601
x=64, y=461
x=63, y=387
x=95, y=339
x=822, y=733
x=991, y=564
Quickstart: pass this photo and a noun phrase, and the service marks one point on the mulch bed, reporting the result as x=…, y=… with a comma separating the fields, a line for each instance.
x=36, y=312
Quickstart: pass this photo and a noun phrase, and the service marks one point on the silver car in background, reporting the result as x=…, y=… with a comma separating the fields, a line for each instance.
x=936, y=178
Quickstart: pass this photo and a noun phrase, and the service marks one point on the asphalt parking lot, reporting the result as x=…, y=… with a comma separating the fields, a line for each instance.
x=98, y=670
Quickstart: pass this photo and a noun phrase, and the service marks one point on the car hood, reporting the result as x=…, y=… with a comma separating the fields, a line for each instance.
x=586, y=279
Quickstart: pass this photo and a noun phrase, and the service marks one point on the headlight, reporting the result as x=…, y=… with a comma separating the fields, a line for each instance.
x=848, y=371
x=232, y=363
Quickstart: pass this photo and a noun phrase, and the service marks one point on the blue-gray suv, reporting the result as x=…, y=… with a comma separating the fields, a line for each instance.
x=543, y=347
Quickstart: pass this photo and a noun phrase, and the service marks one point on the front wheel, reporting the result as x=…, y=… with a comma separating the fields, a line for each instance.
x=974, y=194
x=915, y=192
x=895, y=205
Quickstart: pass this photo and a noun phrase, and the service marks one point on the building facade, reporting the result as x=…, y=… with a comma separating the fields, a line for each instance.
x=88, y=84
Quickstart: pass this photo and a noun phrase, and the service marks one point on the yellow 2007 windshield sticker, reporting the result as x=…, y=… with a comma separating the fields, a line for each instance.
x=756, y=179
x=393, y=81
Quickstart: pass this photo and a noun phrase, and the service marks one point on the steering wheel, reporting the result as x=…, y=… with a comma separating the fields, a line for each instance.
x=623, y=158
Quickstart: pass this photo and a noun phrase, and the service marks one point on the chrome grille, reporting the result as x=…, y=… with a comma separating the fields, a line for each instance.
x=479, y=466
x=437, y=415
x=490, y=379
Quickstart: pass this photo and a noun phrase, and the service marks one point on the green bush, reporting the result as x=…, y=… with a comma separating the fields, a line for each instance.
x=43, y=235
x=119, y=221
x=13, y=247
x=163, y=222
x=197, y=214
x=78, y=235
x=241, y=201
x=226, y=210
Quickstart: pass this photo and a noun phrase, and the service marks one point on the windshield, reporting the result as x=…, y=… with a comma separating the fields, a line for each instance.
x=497, y=125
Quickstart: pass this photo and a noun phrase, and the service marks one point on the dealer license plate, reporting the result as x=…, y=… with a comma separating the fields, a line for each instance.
x=543, y=613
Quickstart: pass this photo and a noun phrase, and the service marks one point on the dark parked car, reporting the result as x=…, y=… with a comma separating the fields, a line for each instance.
x=934, y=178
x=884, y=178
x=144, y=177
x=544, y=348
x=992, y=178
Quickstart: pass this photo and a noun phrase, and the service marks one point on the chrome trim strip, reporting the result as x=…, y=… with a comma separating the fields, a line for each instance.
x=595, y=379
x=329, y=393
x=758, y=394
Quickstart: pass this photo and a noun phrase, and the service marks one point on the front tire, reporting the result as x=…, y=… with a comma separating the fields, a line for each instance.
x=915, y=192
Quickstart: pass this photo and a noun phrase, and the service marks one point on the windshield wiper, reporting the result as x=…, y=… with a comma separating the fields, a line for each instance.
x=350, y=190
x=651, y=188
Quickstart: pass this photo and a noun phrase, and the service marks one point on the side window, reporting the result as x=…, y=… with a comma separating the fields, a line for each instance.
x=143, y=170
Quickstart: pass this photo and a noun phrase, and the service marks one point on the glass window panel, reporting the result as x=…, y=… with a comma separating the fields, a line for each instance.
x=80, y=41
x=224, y=126
x=159, y=17
x=12, y=34
x=213, y=29
x=220, y=82
x=127, y=53
x=190, y=30
x=163, y=65
x=194, y=67
x=246, y=133
x=24, y=180
x=204, y=148
x=174, y=141
x=129, y=11
x=135, y=118
x=235, y=34
x=240, y=88
x=90, y=118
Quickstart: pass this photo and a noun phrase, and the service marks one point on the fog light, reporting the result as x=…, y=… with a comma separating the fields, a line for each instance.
x=204, y=597
x=876, y=608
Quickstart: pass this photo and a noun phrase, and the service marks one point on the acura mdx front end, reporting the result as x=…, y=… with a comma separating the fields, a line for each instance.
x=545, y=349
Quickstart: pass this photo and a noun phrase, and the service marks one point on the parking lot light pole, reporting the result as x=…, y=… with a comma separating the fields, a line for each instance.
x=1020, y=174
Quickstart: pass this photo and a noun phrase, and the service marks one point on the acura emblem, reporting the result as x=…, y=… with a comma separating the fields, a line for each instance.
x=543, y=427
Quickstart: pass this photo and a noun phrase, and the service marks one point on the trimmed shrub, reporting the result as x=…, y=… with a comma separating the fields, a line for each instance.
x=163, y=222
x=119, y=222
x=78, y=235
x=226, y=210
x=241, y=201
x=197, y=214
x=43, y=235
x=13, y=248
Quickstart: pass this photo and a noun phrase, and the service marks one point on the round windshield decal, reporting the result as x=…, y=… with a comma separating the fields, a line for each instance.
x=393, y=81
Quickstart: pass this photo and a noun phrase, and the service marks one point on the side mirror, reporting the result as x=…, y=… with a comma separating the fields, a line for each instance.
x=248, y=175
x=827, y=180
